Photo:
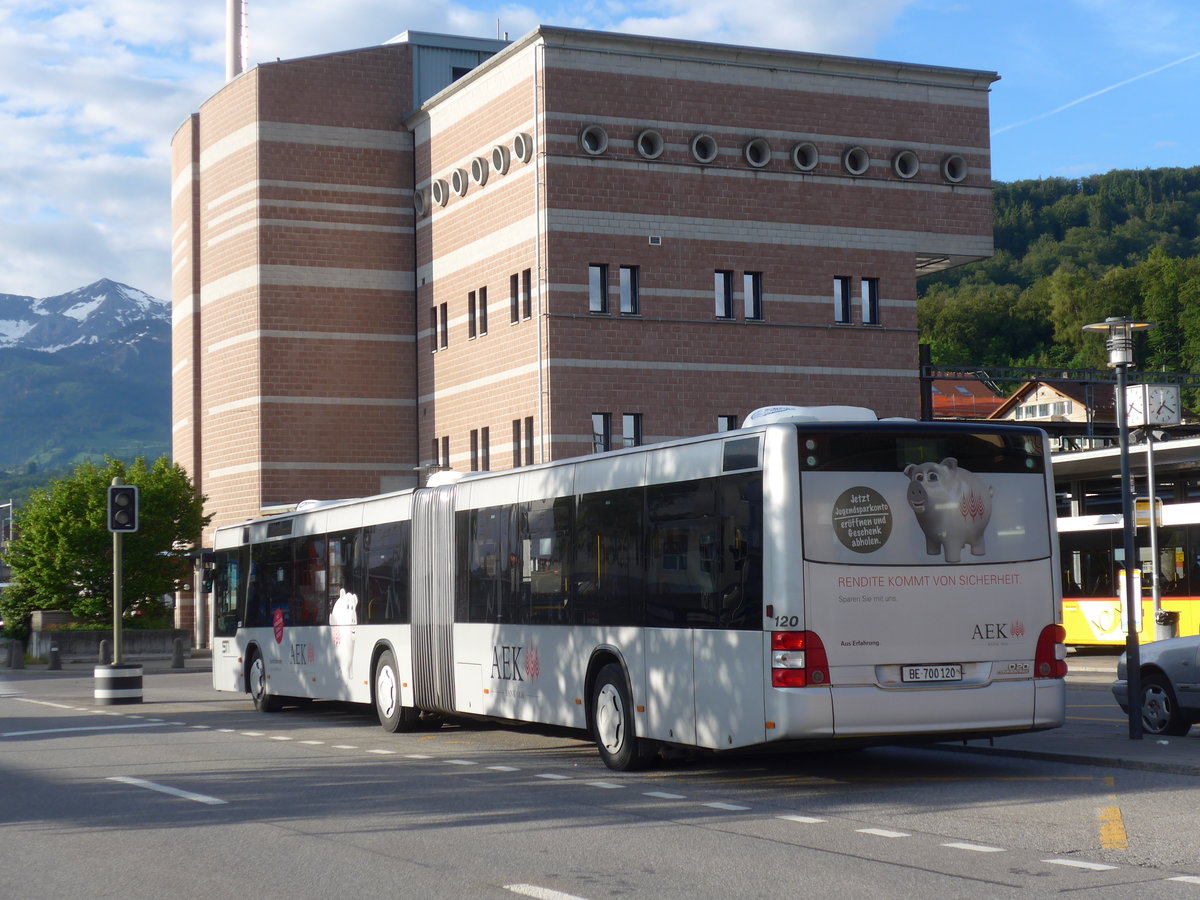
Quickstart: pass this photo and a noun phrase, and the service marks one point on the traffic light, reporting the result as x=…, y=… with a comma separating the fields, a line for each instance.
x=123, y=508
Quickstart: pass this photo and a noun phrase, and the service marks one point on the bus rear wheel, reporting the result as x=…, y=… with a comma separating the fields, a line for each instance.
x=393, y=715
x=612, y=722
x=256, y=685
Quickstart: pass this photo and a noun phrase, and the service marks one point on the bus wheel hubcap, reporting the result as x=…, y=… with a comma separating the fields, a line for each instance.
x=610, y=724
x=385, y=690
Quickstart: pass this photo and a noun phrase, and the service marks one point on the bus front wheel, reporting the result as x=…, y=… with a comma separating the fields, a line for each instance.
x=256, y=684
x=612, y=722
x=393, y=715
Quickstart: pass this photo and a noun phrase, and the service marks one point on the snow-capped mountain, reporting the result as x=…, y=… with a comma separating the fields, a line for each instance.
x=101, y=312
x=86, y=374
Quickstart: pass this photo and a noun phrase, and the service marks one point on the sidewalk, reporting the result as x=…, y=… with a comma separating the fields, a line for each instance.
x=1097, y=732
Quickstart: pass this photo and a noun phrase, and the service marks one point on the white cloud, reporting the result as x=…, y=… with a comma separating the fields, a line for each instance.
x=91, y=93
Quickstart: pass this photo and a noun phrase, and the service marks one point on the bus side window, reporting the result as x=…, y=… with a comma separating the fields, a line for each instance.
x=607, y=569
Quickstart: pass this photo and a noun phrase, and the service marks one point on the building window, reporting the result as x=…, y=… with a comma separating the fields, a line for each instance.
x=529, y=440
x=446, y=452
x=471, y=316
x=752, y=295
x=723, y=293
x=516, y=442
x=598, y=288
x=727, y=423
x=514, y=298
x=433, y=328
x=631, y=430
x=485, y=448
x=483, y=310
x=870, y=301
x=444, y=326
x=527, y=294
x=601, y=432
x=629, y=291
x=841, y=300
x=474, y=450
x=437, y=462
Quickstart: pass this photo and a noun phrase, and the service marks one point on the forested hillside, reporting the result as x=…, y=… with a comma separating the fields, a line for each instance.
x=1070, y=252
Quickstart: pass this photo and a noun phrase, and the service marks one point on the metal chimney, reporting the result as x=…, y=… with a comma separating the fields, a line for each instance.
x=235, y=38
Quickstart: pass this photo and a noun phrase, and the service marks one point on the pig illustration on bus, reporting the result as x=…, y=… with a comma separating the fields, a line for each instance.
x=953, y=507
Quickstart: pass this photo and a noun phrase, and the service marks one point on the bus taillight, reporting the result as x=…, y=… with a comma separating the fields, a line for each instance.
x=798, y=659
x=1049, y=659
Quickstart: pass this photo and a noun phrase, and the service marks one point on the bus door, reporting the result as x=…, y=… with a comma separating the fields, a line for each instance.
x=704, y=606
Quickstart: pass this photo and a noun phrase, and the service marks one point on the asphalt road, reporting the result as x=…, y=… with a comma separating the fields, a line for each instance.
x=191, y=794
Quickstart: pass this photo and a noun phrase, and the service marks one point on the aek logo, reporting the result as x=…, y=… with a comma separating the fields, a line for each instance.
x=994, y=631
x=990, y=631
x=515, y=663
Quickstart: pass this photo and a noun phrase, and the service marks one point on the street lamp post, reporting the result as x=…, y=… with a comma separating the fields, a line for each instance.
x=1119, y=331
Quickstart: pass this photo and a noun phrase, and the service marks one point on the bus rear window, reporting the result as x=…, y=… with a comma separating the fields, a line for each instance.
x=888, y=450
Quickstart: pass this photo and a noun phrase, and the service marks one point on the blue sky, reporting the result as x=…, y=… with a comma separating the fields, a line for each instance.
x=91, y=92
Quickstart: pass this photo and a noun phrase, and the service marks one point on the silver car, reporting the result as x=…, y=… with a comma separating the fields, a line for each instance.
x=1170, y=689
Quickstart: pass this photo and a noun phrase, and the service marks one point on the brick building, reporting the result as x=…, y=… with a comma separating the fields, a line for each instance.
x=476, y=254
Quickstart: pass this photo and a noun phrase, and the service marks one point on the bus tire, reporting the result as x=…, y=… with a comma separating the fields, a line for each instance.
x=1159, y=708
x=257, y=687
x=612, y=722
x=393, y=715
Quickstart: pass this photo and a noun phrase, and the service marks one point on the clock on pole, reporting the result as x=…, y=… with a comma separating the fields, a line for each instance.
x=1152, y=404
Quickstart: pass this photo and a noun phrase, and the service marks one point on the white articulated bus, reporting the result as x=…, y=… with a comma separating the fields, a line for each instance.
x=819, y=578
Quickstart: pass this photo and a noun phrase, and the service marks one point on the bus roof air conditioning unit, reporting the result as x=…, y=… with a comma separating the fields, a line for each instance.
x=769, y=415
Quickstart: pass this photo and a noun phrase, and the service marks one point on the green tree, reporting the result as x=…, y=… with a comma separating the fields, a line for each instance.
x=61, y=557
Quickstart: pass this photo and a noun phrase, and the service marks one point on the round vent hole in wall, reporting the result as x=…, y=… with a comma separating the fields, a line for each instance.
x=439, y=192
x=704, y=148
x=420, y=204
x=501, y=159
x=954, y=168
x=856, y=160
x=479, y=171
x=523, y=147
x=805, y=156
x=459, y=183
x=593, y=140
x=757, y=152
x=906, y=164
x=650, y=144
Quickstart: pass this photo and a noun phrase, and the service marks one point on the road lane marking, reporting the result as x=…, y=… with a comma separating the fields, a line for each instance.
x=978, y=848
x=1080, y=864
x=43, y=703
x=164, y=789
x=498, y=768
x=552, y=777
x=883, y=832
x=663, y=795
x=1186, y=879
x=731, y=807
x=803, y=820
x=383, y=752
x=113, y=727
x=540, y=893
x=608, y=785
x=1112, y=828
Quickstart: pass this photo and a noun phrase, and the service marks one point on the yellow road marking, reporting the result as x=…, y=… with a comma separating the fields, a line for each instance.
x=1112, y=828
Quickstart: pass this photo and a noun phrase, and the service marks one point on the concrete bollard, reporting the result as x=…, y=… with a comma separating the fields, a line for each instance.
x=177, y=654
x=16, y=655
x=55, y=659
x=105, y=656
